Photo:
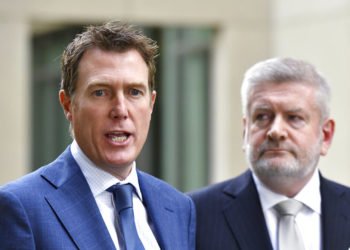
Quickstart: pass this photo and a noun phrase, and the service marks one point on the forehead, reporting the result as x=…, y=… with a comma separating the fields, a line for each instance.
x=97, y=63
x=110, y=57
x=286, y=96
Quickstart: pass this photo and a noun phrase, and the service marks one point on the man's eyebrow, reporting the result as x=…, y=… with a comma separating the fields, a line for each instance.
x=261, y=107
x=295, y=110
x=97, y=84
x=137, y=84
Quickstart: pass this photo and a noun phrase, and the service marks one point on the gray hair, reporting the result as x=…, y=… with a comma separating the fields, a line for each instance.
x=286, y=70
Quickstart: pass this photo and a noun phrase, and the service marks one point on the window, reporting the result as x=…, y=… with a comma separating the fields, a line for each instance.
x=50, y=130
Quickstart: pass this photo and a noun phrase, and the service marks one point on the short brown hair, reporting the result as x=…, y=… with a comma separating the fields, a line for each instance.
x=111, y=36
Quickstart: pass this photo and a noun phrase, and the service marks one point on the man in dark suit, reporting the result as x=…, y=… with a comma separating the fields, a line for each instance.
x=107, y=94
x=287, y=127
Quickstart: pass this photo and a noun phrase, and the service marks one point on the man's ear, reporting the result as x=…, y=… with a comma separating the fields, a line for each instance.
x=65, y=101
x=153, y=99
x=327, y=131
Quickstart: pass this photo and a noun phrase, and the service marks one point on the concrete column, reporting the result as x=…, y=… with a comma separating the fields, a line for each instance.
x=14, y=101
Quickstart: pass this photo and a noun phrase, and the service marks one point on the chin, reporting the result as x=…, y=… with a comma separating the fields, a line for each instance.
x=120, y=163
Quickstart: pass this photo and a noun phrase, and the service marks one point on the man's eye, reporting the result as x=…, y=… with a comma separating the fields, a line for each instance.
x=135, y=92
x=99, y=92
x=261, y=117
x=262, y=120
x=296, y=120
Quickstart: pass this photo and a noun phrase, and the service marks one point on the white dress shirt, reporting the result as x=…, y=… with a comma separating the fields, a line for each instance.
x=99, y=181
x=308, y=220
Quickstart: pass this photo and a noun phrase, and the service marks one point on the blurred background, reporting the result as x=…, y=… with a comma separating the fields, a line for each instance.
x=206, y=46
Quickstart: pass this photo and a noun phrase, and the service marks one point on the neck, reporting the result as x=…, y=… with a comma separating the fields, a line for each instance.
x=287, y=186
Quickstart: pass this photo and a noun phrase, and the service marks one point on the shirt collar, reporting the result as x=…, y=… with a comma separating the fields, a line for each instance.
x=98, y=179
x=310, y=194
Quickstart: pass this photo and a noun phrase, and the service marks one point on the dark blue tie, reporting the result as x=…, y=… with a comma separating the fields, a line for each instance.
x=123, y=202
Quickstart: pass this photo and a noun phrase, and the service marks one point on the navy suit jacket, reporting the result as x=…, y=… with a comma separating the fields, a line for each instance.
x=229, y=216
x=53, y=208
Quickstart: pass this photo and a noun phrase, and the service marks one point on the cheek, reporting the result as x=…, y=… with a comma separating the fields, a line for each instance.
x=255, y=137
x=143, y=122
x=85, y=116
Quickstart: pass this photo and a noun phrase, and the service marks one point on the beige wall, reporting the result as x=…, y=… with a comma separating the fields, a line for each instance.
x=320, y=33
x=247, y=31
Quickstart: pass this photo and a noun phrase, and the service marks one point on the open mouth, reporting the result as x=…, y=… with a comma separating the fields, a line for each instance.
x=118, y=136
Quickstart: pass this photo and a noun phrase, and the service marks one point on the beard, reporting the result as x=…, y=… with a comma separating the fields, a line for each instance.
x=295, y=163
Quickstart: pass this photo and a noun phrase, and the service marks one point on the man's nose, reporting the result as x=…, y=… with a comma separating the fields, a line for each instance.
x=119, y=108
x=277, y=130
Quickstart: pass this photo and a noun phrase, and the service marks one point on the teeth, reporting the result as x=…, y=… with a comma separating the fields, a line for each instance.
x=120, y=138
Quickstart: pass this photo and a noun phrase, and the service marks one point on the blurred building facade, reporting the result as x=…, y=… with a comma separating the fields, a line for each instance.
x=206, y=46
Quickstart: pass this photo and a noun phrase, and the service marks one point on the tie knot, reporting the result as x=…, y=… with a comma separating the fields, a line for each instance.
x=288, y=207
x=122, y=196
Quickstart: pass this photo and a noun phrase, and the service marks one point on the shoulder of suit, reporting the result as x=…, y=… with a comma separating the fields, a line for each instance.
x=33, y=182
x=335, y=187
x=233, y=185
x=158, y=183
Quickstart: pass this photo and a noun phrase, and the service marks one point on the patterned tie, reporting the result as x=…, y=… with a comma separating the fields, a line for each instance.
x=123, y=202
x=288, y=236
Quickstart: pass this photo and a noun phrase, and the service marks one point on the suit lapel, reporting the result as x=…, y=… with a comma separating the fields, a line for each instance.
x=160, y=211
x=75, y=206
x=244, y=214
x=335, y=216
